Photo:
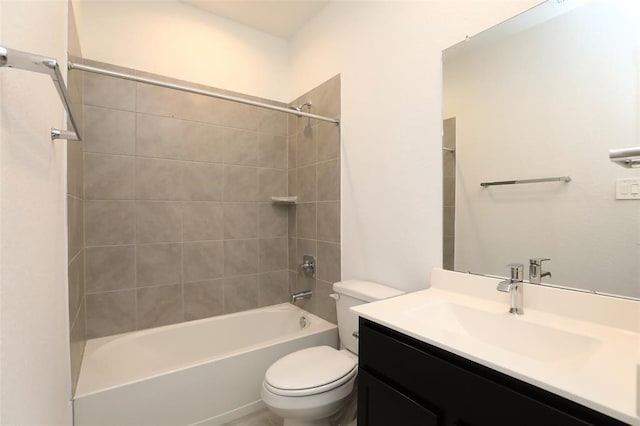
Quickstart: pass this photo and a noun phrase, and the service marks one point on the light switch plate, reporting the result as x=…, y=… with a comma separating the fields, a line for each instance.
x=628, y=189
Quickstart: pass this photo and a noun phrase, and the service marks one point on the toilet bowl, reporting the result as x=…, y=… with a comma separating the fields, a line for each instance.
x=309, y=386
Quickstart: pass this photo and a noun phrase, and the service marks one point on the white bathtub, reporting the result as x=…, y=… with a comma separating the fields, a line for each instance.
x=203, y=372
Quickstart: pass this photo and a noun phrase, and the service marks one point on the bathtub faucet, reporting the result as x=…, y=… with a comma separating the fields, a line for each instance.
x=300, y=295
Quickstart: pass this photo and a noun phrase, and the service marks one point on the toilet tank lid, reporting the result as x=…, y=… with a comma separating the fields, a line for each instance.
x=367, y=291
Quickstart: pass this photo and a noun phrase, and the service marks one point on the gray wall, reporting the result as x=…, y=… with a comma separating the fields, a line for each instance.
x=178, y=219
x=449, y=193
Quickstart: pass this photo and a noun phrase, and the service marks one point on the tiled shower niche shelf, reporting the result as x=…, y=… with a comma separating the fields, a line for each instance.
x=285, y=200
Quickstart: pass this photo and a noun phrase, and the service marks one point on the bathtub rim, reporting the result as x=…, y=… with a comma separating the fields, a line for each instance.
x=322, y=326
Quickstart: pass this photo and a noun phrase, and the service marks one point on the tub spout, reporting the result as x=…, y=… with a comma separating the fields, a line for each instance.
x=301, y=295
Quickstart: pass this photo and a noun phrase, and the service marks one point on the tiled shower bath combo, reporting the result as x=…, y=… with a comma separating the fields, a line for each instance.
x=171, y=217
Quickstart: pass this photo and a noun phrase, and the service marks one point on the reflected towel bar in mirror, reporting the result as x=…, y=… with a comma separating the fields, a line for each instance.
x=517, y=182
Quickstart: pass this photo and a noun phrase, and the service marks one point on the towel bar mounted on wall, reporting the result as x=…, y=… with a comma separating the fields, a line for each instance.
x=12, y=58
x=518, y=182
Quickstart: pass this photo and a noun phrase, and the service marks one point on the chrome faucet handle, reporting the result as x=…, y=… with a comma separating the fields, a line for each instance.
x=537, y=261
x=535, y=270
x=516, y=271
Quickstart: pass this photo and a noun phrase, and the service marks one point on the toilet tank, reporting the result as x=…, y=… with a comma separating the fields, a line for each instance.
x=352, y=293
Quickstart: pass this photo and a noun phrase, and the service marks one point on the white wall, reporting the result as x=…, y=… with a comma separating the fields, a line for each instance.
x=389, y=57
x=550, y=101
x=35, y=383
x=180, y=41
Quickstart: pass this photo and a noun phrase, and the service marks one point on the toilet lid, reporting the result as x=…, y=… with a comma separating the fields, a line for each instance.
x=309, y=369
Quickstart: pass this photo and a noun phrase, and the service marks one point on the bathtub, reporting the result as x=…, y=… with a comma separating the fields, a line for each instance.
x=204, y=372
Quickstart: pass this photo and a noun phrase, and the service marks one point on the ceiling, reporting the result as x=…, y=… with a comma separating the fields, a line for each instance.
x=279, y=18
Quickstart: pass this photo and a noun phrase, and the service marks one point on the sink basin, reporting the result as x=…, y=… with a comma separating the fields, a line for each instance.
x=504, y=331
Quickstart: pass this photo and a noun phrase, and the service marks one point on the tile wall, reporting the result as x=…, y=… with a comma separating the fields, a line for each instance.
x=449, y=193
x=314, y=176
x=178, y=219
x=75, y=213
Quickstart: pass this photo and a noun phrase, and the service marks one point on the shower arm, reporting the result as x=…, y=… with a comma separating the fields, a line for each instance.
x=17, y=59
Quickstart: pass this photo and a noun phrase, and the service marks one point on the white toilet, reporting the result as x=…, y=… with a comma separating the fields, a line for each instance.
x=309, y=386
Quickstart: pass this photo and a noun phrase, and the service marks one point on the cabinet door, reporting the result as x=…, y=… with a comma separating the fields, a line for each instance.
x=381, y=405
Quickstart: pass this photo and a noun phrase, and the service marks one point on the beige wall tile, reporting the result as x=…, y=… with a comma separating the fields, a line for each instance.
x=292, y=182
x=329, y=221
x=328, y=145
x=272, y=151
x=306, y=145
x=158, y=100
x=76, y=285
x=203, y=109
x=203, y=299
x=203, y=261
x=159, y=137
x=240, y=183
x=292, y=124
x=240, y=293
x=449, y=221
x=329, y=181
x=240, y=220
x=77, y=341
x=159, y=306
x=274, y=288
x=328, y=262
x=271, y=182
x=240, y=147
x=307, y=183
x=109, y=222
x=75, y=169
x=203, y=142
x=325, y=305
x=108, y=177
x=272, y=221
x=75, y=226
x=202, y=221
x=110, y=313
x=292, y=150
x=159, y=179
x=203, y=182
x=293, y=253
x=109, y=92
x=272, y=122
x=109, y=131
x=240, y=257
x=158, y=222
x=158, y=264
x=273, y=254
x=306, y=220
x=449, y=191
x=110, y=268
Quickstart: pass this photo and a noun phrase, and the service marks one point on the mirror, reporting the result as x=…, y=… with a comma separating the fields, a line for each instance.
x=545, y=96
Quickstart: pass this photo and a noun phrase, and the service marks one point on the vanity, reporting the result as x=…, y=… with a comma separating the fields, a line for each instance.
x=453, y=355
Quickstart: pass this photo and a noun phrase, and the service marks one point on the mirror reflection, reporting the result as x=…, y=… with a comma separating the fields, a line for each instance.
x=531, y=109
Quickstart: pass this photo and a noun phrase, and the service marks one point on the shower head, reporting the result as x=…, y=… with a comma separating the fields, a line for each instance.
x=299, y=107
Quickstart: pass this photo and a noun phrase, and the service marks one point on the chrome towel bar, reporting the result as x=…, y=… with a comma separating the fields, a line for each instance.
x=44, y=65
x=518, y=182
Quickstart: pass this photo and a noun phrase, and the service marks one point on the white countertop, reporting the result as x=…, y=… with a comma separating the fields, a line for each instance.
x=587, y=355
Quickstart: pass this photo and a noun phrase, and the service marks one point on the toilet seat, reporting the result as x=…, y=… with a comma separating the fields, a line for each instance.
x=310, y=371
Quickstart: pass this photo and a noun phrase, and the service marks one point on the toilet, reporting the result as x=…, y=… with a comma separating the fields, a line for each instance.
x=309, y=386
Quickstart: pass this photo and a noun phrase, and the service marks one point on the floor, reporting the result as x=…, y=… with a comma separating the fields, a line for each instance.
x=259, y=418
x=263, y=418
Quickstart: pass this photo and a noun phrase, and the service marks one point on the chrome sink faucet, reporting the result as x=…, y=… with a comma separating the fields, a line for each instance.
x=535, y=270
x=514, y=286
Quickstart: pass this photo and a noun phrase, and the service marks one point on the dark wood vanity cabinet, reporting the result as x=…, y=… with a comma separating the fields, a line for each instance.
x=404, y=382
